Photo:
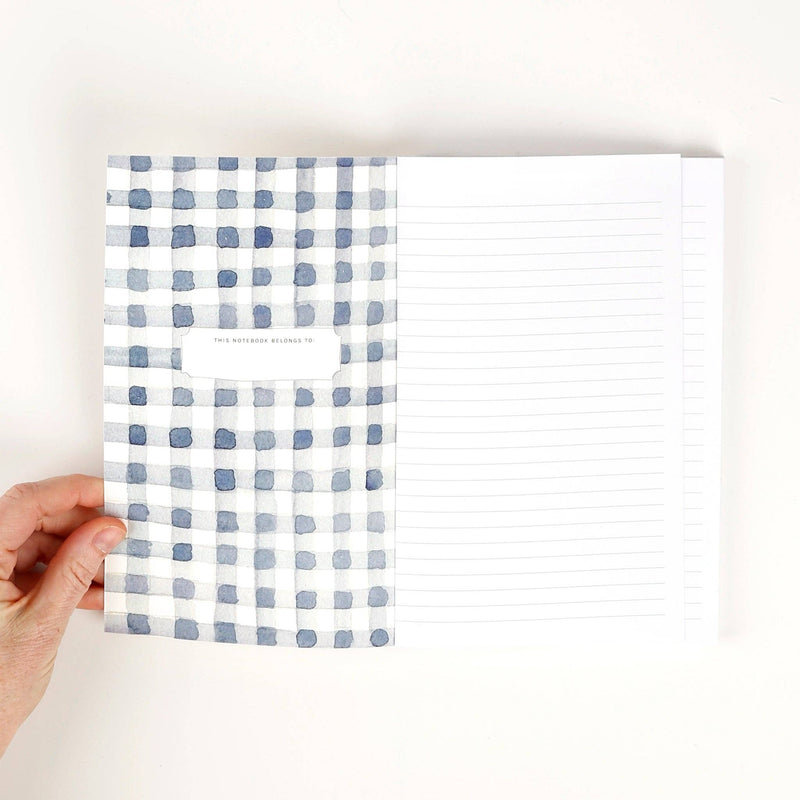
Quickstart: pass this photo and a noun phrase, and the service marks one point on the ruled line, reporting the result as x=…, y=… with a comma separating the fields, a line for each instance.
x=541, y=541
x=518, y=335
x=539, y=603
x=540, y=430
x=527, y=463
x=529, y=447
x=542, y=494
x=545, y=366
x=524, y=255
x=530, y=619
x=544, y=205
x=518, y=558
x=534, y=286
x=538, y=588
x=530, y=414
x=538, y=319
x=518, y=221
x=462, y=239
x=542, y=350
x=508, y=574
x=537, y=524
x=533, y=302
x=535, y=383
x=535, y=478
x=542, y=269
x=528, y=399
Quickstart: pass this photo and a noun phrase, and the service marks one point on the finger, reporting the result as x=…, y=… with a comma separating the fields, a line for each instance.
x=71, y=570
x=9, y=592
x=26, y=581
x=24, y=506
x=63, y=524
x=40, y=549
x=93, y=599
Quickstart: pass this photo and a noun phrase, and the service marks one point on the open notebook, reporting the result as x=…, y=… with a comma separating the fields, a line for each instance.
x=414, y=401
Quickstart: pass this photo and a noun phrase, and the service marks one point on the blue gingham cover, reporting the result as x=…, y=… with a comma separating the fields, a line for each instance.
x=257, y=512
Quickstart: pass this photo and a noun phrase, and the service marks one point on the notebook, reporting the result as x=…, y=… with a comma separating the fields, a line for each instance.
x=414, y=401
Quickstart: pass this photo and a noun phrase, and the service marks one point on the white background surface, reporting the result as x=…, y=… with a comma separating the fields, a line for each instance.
x=130, y=717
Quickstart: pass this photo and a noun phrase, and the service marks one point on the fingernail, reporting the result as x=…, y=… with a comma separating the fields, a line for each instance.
x=108, y=538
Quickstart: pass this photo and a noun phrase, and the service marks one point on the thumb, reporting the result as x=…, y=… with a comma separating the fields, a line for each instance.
x=71, y=570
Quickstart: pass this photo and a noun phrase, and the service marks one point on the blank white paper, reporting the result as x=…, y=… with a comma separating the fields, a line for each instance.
x=540, y=400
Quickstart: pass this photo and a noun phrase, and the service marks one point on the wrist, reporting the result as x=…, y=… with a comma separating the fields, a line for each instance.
x=11, y=714
x=7, y=731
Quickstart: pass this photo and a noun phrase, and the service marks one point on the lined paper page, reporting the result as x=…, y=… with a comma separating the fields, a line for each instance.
x=539, y=440
x=702, y=340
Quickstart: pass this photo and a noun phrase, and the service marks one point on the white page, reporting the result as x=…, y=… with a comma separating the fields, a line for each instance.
x=702, y=290
x=539, y=448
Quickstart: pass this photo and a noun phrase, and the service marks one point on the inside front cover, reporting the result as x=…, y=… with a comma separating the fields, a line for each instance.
x=260, y=510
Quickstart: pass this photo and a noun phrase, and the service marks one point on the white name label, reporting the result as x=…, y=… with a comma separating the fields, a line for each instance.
x=272, y=354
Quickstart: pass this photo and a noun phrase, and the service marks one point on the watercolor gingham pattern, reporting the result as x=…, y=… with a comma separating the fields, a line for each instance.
x=258, y=513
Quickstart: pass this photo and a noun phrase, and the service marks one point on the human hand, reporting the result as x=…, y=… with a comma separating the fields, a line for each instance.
x=54, y=522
